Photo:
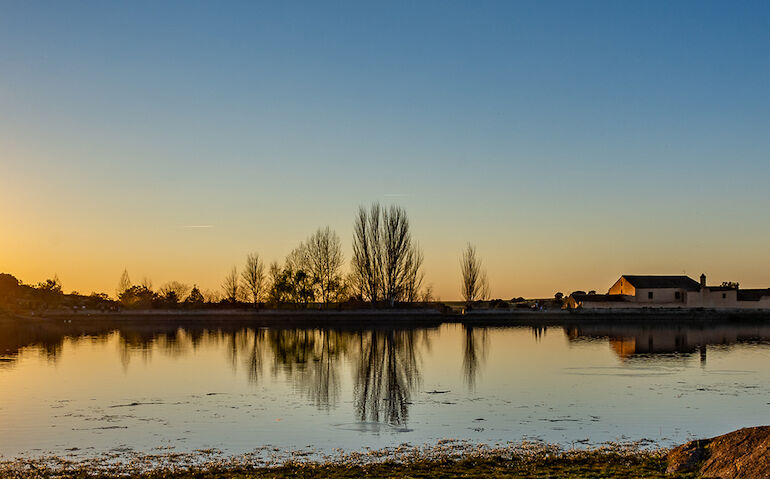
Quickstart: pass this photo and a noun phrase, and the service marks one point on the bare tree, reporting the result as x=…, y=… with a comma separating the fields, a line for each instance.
x=427, y=294
x=253, y=277
x=475, y=285
x=231, y=286
x=297, y=259
x=385, y=263
x=124, y=284
x=211, y=296
x=274, y=271
x=323, y=254
x=397, y=251
x=367, y=257
x=413, y=275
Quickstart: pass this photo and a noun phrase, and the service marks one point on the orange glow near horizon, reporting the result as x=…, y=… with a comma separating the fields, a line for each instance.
x=93, y=260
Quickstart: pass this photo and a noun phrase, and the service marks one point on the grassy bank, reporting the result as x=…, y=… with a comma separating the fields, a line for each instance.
x=600, y=466
x=585, y=464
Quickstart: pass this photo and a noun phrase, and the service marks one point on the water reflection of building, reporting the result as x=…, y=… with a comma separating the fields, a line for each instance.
x=629, y=341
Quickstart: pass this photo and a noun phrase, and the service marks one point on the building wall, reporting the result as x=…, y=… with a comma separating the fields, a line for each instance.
x=622, y=286
x=705, y=298
x=627, y=305
x=662, y=295
x=763, y=303
x=713, y=299
x=607, y=305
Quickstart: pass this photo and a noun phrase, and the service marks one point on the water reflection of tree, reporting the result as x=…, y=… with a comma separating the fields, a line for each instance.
x=387, y=372
x=247, y=347
x=322, y=376
x=311, y=359
x=385, y=361
x=474, y=353
x=539, y=332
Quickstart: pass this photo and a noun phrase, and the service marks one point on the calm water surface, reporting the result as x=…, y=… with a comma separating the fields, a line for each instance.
x=87, y=389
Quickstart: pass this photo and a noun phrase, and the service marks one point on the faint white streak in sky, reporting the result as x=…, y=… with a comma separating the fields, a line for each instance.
x=198, y=226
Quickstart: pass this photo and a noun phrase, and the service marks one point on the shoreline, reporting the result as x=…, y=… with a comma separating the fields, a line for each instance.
x=447, y=458
x=397, y=317
x=738, y=454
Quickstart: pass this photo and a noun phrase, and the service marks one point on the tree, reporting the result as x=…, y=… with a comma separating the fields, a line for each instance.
x=10, y=288
x=231, y=286
x=49, y=292
x=51, y=285
x=253, y=277
x=195, y=298
x=475, y=285
x=297, y=259
x=427, y=295
x=174, y=291
x=274, y=272
x=366, y=264
x=413, y=276
x=397, y=254
x=290, y=286
x=8, y=282
x=323, y=255
x=212, y=296
x=386, y=265
x=730, y=284
x=124, y=284
x=137, y=296
x=302, y=287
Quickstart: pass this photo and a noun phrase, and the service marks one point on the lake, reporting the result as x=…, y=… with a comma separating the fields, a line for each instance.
x=85, y=387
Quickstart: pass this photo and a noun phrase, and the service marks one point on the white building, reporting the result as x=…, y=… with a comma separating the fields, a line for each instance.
x=656, y=291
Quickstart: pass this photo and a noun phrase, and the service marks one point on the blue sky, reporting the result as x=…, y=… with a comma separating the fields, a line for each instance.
x=571, y=141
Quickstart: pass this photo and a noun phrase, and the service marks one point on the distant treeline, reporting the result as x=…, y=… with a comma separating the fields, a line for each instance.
x=386, y=270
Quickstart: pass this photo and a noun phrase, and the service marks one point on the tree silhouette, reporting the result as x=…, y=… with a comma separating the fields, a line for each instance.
x=137, y=296
x=253, y=277
x=474, y=278
x=231, y=286
x=324, y=261
x=123, y=284
x=173, y=292
x=386, y=265
x=195, y=298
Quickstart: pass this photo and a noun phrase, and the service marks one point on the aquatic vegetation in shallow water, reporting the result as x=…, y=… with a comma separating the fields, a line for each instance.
x=446, y=458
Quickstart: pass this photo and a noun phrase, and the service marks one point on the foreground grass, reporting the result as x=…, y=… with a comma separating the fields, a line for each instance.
x=589, y=464
x=450, y=469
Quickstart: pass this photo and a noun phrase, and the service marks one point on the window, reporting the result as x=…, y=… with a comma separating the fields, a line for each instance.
x=677, y=295
x=649, y=295
x=724, y=295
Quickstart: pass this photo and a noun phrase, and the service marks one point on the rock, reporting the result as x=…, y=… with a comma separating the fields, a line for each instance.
x=686, y=458
x=744, y=453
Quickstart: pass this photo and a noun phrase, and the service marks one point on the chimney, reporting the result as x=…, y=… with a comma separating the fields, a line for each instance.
x=703, y=281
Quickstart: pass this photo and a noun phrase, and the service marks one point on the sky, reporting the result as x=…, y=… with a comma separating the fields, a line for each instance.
x=571, y=142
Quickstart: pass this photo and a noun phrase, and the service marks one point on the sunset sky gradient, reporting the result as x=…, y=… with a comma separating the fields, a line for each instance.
x=570, y=141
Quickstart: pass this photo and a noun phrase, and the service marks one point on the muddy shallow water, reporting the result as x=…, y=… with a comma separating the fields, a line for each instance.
x=84, y=389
